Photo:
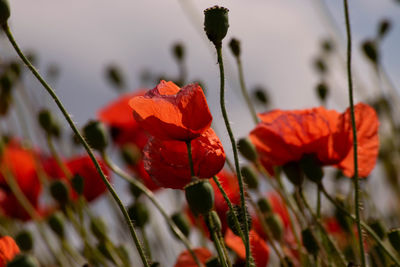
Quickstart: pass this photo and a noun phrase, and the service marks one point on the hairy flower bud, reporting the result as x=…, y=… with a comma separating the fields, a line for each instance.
x=200, y=196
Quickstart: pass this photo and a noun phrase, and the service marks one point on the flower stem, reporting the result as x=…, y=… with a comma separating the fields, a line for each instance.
x=150, y=195
x=82, y=140
x=216, y=240
x=235, y=153
x=353, y=122
x=189, y=149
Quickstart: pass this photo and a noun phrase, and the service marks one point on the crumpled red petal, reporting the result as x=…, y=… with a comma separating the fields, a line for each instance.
x=168, y=112
x=8, y=250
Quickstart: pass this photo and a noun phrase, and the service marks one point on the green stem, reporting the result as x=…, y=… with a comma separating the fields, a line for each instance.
x=353, y=122
x=189, y=149
x=245, y=92
x=235, y=153
x=318, y=203
x=150, y=195
x=364, y=225
x=82, y=140
x=216, y=240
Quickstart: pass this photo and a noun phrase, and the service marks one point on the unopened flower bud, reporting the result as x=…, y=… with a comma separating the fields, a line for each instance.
x=24, y=240
x=327, y=45
x=293, y=173
x=320, y=66
x=115, y=76
x=95, y=134
x=59, y=190
x=214, y=223
x=135, y=191
x=123, y=253
x=47, y=123
x=56, y=223
x=238, y=212
x=264, y=205
x=275, y=224
x=139, y=214
x=131, y=154
x=182, y=222
x=200, y=196
x=394, y=238
x=179, y=51
x=309, y=241
x=216, y=24
x=247, y=149
x=370, y=51
x=261, y=95
x=322, y=90
x=78, y=184
x=378, y=227
x=383, y=27
x=106, y=250
x=234, y=44
x=311, y=168
x=250, y=177
x=213, y=262
x=98, y=228
x=4, y=11
x=23, y=260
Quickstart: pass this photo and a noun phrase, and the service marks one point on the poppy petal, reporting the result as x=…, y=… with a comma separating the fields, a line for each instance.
x=8, y=250
x=185, y=259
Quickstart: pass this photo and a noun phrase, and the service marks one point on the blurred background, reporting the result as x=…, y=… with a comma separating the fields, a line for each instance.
x=282, y=52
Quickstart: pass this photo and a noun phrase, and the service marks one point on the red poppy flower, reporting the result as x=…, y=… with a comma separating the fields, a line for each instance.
x=83, y=166
x=19, y=164
x=286, y=136
x=118, y=116
x=185, y=259
x=167, y=161
x=259, y=248
x=8, y=250
x=168, y=112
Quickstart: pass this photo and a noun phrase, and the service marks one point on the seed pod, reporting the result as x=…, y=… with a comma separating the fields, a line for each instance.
x=200, y=196
x=216, y=24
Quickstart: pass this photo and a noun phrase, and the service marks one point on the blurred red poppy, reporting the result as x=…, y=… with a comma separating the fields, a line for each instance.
x=83, y=166
x=185, y=259
x=118, y=116
x=286, y=136
x=169, y=112
x=8, y=250
x=259, y=248
x=19, y=164
x=167, y=162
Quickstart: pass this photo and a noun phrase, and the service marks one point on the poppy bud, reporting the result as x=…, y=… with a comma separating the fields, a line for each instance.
x=261, y=95
x=213, y=262
x=216, y=24
x=46, y=121
x=139, y=214
x=59, y=191
x=4, y=11
x=135, y=191
x=6, y=82
x=275, y=224
x=370, y=50
x=23, y=260
x=115, y=77
x=394, y=238
x=106, y=250
x=200, y=196
x=378, y=228
x=293, y=173
x=311, y=168
x=234, y=44
x=131, y=154
x=230, y=219
x=250, y=177
x=98, y=228
x=383, y=27
x=320, y=66
x=5, y=103
x=309, y=241
x=322, y=91
x=264, y=205
x=95, y=134
x=179, y=51
x=24, y=240
x=77, y=184
x=214, y=223
x=56, y=223
x=123, y=254
x=155, y=264
x=182, y=222
x=247, y=149
x=327, y=45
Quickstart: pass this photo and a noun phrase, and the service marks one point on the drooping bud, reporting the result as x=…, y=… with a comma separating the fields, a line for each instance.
x=275, y=224
x=135, y=191
x=216, y=24
x=247, y=149
x=213, y=222
x=23, y=260
x=383, y=28
x=24, y=240
x=264, y=205
x=309, y=241
x=4, y=11
x=293, y=173
x=250, y=177
x=322, y=90
x=95, y=134
x=394, y=238
x=370, y=51
x=320, y=66
x=59, y=191
x=115, y=77
x=230, y=219
x=139, y=214
x=56, y=223
x=47, y=123
x=179, y=51
x=327, y=45
x=234, y=44
x=310, y=167
x=78, y=184
x=200, y=196
x=261, y=95
x=98, y=228
x=182, y=222
x=106, y=250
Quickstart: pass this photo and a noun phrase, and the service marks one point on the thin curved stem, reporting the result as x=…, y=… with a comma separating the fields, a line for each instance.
x=150, y=195
x=82, y=140
x=189, y=149
x=235, y=154
x=353, y=123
